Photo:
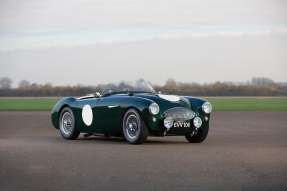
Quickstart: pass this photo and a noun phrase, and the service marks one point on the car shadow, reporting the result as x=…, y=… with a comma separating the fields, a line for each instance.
x=117, y=140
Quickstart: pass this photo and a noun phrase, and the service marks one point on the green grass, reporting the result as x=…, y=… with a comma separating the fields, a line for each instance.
x=27, y=104
x=248, y=104
x=217, y=104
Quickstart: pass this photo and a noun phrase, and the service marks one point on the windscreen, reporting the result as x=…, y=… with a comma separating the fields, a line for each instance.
x=127, y=87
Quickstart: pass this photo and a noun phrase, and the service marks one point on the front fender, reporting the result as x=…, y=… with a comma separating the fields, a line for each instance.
x=69, y=101
x=142, y=104
x=197, y=104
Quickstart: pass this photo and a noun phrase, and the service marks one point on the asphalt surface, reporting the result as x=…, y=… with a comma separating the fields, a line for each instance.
x=243, y=151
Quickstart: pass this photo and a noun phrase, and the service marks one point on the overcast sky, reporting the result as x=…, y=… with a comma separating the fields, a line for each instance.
x=92, y=42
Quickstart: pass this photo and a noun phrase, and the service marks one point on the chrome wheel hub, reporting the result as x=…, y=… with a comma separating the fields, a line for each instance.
x=67, y=123
x=131, y=125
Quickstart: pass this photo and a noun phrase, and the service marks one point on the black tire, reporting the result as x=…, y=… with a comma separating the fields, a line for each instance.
x=199, y=137
x=67, y=124
x=134, y=128
x=107, y=135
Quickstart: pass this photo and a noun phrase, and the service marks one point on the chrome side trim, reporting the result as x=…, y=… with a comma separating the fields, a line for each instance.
x=86, y=97
x=111, y=106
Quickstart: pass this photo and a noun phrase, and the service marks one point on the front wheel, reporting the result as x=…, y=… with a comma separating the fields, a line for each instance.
x=199, y=137
x=67, y=124
x=134, y=127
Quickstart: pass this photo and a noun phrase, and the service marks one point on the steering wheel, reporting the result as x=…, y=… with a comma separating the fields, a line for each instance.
x=110, y=90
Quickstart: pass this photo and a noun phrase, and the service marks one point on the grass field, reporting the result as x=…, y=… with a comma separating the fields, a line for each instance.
x=249, y=104
x=217, y=104
x=27, y=104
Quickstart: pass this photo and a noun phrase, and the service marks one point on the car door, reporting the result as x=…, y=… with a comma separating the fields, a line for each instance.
x=110, y=113
x=87, y=119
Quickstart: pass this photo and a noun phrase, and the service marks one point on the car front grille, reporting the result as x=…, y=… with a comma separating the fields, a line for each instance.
x=179, y=114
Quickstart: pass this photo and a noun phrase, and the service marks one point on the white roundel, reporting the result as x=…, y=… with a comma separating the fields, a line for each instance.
x=87, y=115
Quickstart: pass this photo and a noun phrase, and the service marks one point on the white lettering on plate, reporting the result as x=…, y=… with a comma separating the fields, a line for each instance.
x=181, y=124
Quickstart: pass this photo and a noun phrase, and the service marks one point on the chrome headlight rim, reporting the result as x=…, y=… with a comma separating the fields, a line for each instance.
x=152, y=110
x=168, y=122
x=206, y=110
x=197, y=122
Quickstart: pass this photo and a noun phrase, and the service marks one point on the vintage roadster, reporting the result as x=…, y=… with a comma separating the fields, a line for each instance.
x=135, y=111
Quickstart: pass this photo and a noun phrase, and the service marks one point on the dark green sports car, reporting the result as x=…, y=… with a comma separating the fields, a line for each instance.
x=135, y=111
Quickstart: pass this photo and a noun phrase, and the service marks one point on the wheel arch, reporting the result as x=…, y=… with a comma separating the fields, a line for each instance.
x=60, y=110
x=196, y=102
x=142, y=116
x=141, y=104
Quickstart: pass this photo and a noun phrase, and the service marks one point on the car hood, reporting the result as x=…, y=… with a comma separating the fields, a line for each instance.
x=167, y=101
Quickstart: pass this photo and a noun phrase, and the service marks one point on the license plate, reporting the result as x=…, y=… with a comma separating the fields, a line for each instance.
x=181, y=124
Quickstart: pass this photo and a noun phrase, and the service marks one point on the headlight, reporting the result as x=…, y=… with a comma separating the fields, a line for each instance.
x=153, y=109
x=197, y=122
x=168, y=122
x=206, y=107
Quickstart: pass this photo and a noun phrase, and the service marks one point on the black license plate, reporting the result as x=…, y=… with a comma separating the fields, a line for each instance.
x=181, y=124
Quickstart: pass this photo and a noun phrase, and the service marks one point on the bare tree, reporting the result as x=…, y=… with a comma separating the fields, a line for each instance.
x=49, y=84
x=80, y=86
x=282, y=83
x=24, y=84
x=171, y=83
x=5, y=82
x=35, y=85
x=261, y=81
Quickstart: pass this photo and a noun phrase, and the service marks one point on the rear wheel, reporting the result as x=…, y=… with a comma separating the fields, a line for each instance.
x=199, y=137
x=67, y=124
x=134, y=127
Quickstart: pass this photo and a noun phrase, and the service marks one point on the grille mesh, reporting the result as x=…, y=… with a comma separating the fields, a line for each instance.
x=179, y=114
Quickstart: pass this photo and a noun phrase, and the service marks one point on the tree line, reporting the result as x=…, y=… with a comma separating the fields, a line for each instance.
x=256, y=87
x=223, y=89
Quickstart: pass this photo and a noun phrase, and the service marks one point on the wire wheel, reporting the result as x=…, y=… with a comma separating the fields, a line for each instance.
x=67, y=123
x=132, y=126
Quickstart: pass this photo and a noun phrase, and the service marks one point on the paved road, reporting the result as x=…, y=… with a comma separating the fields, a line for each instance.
x=243, y=151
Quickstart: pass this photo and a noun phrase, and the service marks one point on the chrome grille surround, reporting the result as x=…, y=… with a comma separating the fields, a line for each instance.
x=179, y=114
